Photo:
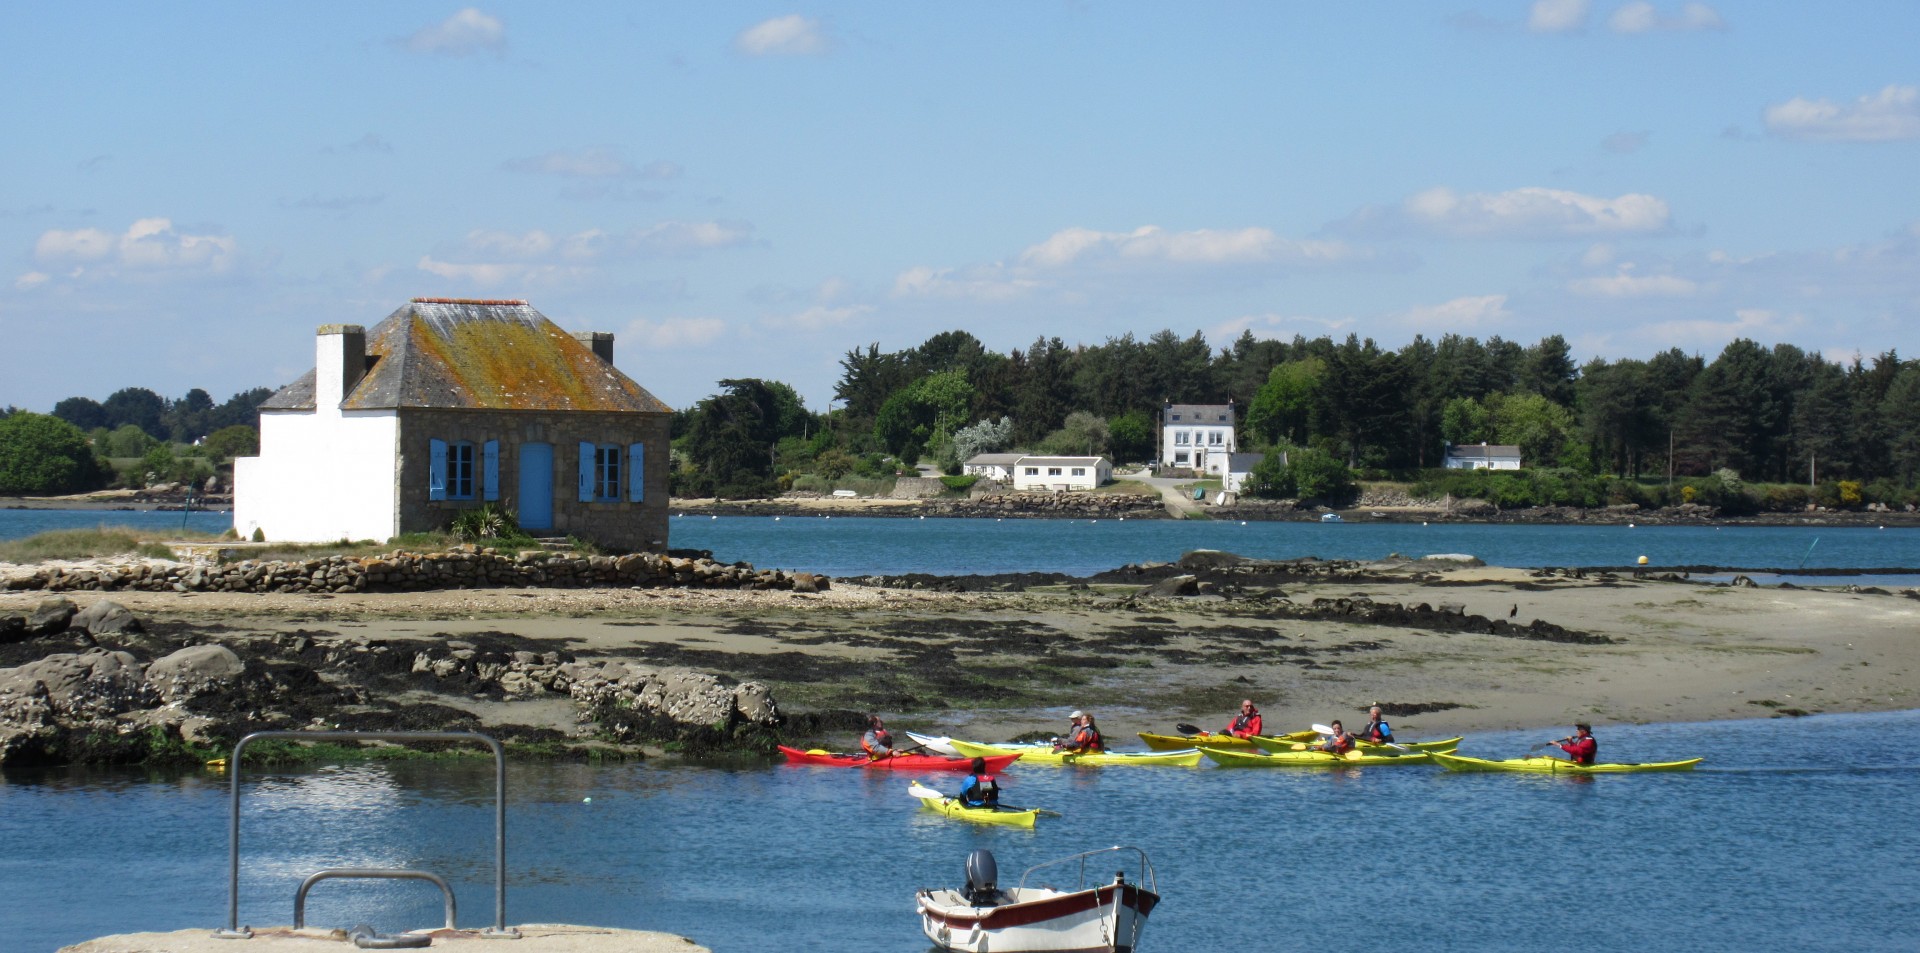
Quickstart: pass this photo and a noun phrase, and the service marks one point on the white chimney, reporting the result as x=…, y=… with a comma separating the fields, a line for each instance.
x=339, y=361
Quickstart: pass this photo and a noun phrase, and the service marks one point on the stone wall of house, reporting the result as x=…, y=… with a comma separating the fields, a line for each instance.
x=637, y=527
x=464, y=567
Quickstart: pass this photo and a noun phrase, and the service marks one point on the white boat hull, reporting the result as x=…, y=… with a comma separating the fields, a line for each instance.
x=1105, y=919
x=935, y=744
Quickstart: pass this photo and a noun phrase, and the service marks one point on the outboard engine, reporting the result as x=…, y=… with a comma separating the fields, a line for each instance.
x=983, y=879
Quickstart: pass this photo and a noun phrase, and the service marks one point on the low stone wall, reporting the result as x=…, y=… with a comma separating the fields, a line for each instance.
x=1056, y=505
x=466, y=567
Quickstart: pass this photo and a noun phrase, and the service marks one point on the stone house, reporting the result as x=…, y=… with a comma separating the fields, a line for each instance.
x=448, y=405
x=1197, y=437
x=1482, y=456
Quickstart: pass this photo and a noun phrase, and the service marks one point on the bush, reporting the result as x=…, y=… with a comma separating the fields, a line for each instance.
x=40, y=454
x=1308, y=474
x=960, y=483
x=489, y=521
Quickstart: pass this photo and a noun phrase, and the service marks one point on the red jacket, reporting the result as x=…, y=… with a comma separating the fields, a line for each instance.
x=1244, y=724
x=1339, y=744
x=1582, y=750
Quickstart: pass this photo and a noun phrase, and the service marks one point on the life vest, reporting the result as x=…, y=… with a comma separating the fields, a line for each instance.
x=877, y=744
x=1340, y=744
x=1583, y=750
x=1243, y=724
x=1086, y=738
x=1374, y=732
x=984, y=790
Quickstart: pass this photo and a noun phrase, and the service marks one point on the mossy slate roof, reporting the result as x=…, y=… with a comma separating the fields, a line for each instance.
x=478, y=356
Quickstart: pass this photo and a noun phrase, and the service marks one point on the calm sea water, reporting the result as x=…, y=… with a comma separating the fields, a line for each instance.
x=1796, y=835
x=849, y=546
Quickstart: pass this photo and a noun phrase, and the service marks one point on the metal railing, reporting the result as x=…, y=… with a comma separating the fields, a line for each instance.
x=1144, y=871
x=368, y=873
x=499, y=928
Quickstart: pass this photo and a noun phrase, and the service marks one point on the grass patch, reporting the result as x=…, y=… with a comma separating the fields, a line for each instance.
x=411, y=542
x=82, y=544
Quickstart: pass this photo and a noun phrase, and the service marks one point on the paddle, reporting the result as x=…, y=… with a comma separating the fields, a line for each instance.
x=920, y=790
x=1187, y=729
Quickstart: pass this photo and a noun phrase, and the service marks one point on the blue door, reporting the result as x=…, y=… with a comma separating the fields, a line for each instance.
x=536, y=486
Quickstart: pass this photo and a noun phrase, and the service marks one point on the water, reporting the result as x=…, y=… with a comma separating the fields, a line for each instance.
x=855, y=547
x=18, y=524
x=1796, y=835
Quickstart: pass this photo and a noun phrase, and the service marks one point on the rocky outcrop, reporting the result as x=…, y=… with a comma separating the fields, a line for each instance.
x=466, y=567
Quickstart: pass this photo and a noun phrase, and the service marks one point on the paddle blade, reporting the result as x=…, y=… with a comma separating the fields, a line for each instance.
x=1354, y=755
x=1323, y=729
x=917, y=789
x=1187, y=729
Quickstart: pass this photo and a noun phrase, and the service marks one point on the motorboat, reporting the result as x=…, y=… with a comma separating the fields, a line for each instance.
x=982, y=916
x=1331, y=518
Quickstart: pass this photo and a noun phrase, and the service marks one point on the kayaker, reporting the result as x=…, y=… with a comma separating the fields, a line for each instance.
x=1340, y=742
x=1376, y=729
x=1083, y=737
x=1581, y=748
x=1247, y=722
x=878, y=741
x=980, y=789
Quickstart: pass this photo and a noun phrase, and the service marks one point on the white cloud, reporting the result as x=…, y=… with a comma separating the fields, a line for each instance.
x=31, y=280
x=1889, y=115
x=1525, y=213
x=672, y=333
x=820, y=317
x=1151, y=243
x=1275, y=326
x=1470, y=312
x=591, y=164
x=1643, y=17
x=1557, y=16
x=792, y=35
x=683, y=238
x=149, y=244
x=462, y=34
x=1624, y=283
x=495, y=258
x=1757, y=323
x=985, y=283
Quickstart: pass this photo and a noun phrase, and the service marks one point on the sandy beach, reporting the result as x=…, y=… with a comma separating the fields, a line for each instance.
x=997, y=665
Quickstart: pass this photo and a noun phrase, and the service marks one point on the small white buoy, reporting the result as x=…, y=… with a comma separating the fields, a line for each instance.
x=586, y=800
x=1423, y=522
x=776, y=519
x=1243, y=522
x=1091, y=522
x=713, y=517
x=923, y=517
x=1629, y=525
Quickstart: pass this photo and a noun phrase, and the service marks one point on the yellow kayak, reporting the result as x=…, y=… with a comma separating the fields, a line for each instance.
x=941, y=804
x=1184, y=742
x=1292, y=742
x=1043, y=754
x=1541, y=764
x=1311, y=759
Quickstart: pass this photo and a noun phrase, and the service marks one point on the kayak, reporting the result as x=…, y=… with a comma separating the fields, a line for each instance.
x=1289, y=743
x=899, y=762
x=1183, y=742
x=1541, y=764
x=938, y=744
x=951, y=807
x=1044, y=754
x=1311, y=759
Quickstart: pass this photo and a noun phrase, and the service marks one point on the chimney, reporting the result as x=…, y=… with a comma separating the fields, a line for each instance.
x=600, y=342
x=339, y=361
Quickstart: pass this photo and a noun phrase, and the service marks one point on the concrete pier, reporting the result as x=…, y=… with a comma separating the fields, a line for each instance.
x=534, y=938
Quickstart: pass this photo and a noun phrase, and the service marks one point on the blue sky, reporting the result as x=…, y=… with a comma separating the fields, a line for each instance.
x=751, y=190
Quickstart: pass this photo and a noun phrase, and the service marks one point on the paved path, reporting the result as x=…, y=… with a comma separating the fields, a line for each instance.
x=1179, y=505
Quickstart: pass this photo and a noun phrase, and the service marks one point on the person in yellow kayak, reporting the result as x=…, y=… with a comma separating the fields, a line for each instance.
x=1247, y=723
x=878, y=741
x=1581, y=748
x=1376, y=730
x=1339, y=742
x=1082, y=738
x=980, y=790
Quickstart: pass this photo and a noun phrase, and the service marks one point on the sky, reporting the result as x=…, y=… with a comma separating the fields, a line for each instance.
x=752, y=190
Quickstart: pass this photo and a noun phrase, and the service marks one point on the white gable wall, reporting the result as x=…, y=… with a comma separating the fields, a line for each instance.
x=320, y=476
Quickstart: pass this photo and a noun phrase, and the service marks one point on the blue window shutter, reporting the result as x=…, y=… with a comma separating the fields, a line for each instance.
x=636, y=472
x=437, y=470
x=586, y=472
x=492, y=472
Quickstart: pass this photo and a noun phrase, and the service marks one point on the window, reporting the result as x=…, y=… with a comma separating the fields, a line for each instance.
x=1179, y=438
x=1033, y=471
x=606, y=473
x=1079, y=471
x=1180, y=459
x=460, y=471
x=1216, y=438
x=1176, y=416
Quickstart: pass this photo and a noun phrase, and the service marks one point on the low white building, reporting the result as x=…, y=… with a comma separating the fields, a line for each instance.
x=448, y=405
x=992, y=466
x=1483, y=456
x=1239, y=468
x=1061, y=474
x=1197, y=437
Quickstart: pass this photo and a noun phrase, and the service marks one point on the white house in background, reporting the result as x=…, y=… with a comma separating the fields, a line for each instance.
x=992, y=466
x=1483, y=456
x=1197, y=436
x=1060, y=474
x=448, y=405
x=1239, y=467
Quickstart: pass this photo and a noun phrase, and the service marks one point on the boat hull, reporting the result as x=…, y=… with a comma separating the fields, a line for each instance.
x=1105, y=919
x=935, y=744
x=899, y=762
x=1004, y=817
x=1284, y=743
x=1184, y=742
x=1311, y=759
x=1545, y=765
x=1043, y=754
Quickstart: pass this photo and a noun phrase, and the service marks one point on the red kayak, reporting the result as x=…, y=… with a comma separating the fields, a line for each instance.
x=899, y=762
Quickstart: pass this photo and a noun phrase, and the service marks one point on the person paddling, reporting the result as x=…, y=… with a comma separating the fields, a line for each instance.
x=1246, y=723
x=1082, y=738
x=980, y=789
x=1376, y=730
x=1581, y=748
x=1339, y=742
x=878, y=741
